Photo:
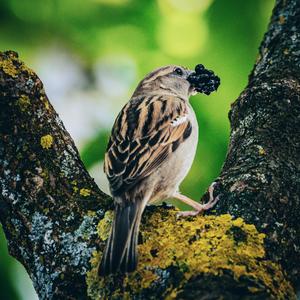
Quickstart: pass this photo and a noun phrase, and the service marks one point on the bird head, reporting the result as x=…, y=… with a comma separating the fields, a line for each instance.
x=179, y=81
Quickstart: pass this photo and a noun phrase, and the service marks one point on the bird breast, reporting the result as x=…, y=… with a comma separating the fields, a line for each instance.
x=171, y=173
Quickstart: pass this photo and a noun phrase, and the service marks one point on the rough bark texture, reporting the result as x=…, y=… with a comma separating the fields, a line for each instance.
x=45, y=189
x=50, y=206
x=261, y=174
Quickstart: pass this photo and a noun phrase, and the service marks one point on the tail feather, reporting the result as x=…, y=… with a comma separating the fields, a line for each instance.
x=129, y=261
x=120, y=252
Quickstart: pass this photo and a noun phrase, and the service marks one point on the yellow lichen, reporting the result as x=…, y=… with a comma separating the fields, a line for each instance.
x=91, y=213
x=281, y=19
x=47, y=104
x=74, y=184
x=104, y=225
x=26, y=69
x=44, y=99
x=46, y=210
x=45, y=174
x=23, y=102
x=92, y=276
x=261, y=150
x=201, y=245
x=8, y=67
x=258, y=58
x=85, y=192
x=11, y=65
x=46, y=141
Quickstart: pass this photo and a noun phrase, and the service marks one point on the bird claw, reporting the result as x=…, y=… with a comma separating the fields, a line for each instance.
x=189, y=213
x=202, y=207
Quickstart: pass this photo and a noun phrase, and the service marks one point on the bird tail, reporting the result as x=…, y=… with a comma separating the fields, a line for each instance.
x=121, y=248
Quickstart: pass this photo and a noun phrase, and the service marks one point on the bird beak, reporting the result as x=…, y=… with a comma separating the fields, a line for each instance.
x=188, y=73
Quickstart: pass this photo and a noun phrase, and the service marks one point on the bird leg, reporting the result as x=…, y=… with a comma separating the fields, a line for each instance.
x=197, y=206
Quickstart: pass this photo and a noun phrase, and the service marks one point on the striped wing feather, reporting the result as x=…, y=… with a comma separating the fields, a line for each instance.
x=145, y=132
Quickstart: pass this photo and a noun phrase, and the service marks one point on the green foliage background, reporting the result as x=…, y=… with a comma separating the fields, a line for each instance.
x=221, y=34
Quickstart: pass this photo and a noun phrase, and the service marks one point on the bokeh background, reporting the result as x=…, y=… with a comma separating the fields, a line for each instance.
x=91, y=54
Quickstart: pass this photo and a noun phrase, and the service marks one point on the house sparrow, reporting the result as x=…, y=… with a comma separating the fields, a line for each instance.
x=150, y=151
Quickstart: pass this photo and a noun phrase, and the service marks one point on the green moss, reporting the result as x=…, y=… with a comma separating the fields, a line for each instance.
x=201, y=245
x=46, y=141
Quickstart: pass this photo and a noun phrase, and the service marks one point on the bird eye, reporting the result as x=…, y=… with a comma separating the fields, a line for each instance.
x=178, y=71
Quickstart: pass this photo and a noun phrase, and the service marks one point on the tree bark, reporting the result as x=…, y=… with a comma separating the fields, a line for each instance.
x=56, y=219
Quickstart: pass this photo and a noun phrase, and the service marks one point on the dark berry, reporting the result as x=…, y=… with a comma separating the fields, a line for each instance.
x=207, y=72
x=199, y=68
x=192, y=78
x=203, y=80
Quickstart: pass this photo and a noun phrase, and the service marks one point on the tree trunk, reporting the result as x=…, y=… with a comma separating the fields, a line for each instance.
x=56, y=219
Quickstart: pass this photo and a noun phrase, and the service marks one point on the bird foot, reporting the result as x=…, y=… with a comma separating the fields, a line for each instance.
x=199, y=208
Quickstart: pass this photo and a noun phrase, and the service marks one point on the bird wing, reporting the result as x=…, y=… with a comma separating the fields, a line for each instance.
x=145, y=133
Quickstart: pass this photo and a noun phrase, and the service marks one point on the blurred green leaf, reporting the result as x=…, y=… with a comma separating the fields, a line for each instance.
x=7, y=287
x=94, y=149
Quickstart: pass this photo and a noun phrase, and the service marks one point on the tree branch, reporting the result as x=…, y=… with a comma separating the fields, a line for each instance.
x=261, y=174
x=45, y=190
x=56, y=220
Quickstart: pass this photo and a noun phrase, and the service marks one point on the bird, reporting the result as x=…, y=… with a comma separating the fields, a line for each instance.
x=150, y=151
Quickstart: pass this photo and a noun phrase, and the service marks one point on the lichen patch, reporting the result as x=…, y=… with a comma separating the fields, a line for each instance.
x=201, y=245
x=23, y=102
x=8, y=68
x=46, y=141
x=85, y=192
x=104, y=225
x=261, y=150
x=12, y=66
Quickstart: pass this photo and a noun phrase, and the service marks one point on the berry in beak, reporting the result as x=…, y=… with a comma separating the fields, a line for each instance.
x=203, y=80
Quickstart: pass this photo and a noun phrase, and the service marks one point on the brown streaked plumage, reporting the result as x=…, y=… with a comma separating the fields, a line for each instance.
x=150, y=151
